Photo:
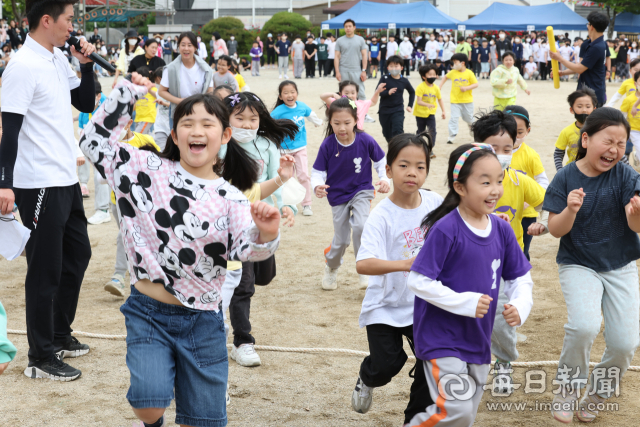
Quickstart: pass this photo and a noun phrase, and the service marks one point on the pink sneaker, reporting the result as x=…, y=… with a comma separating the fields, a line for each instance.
x=84, y=190
x=562, y=408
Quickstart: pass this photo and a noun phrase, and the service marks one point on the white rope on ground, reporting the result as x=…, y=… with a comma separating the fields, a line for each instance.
x=551, y=363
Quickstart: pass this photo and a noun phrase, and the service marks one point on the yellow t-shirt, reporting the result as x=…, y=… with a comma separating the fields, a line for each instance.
x=459, y=79
x=241, y=83
x=634, y=121
x=627, y=87
x=568, y=141
x=527, y=161
x=138, y=140
x=254, y=194
x=146, y=109
x=428, y=94
x=518, y=190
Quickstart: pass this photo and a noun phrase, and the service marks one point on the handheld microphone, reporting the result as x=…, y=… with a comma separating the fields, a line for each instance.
x=94, y=56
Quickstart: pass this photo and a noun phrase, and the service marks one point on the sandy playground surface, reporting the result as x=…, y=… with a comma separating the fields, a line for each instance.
x=293, y=311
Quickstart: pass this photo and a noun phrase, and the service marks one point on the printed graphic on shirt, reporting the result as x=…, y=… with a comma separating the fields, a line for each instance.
x=414, y=240
x=495, y=265
x=358, y=162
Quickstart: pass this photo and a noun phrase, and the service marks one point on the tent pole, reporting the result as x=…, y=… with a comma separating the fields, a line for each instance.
x=328, y=14
x=128, y=19
x=107, y=22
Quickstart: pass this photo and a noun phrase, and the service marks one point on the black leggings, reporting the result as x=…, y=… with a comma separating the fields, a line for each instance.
x=271, y=57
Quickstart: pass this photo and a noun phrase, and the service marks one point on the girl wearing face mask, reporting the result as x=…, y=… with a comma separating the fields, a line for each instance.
x=261, y=137
x=500, y=131
x=527, y=160
x=633, y=52
x=493, y=52
x=130, y=50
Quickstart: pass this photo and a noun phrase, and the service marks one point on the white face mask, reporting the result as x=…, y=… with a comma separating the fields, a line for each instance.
x=395, y=72
x=384, y=39
x=517, y=40
x=432, y=38
x=199, y=39
x=233, y=38
x=132, y=42
x=505, y=160
x=634, y=45
x=406, y=39
x=528, y=40
x=502, y=36
x=491, y=42
x=123, y=134
x=243, y=135
x=158, y=39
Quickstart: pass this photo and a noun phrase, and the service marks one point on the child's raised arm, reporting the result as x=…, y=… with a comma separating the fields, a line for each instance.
x=633, y=213
x=325, y=97
x=376, y=94
x=560, y=224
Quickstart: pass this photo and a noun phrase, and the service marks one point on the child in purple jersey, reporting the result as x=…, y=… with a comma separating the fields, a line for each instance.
x=342, y=173
x=456, y=278
x=594, y=209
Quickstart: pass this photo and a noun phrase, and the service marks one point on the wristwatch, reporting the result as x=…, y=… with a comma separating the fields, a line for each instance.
x=364, y=70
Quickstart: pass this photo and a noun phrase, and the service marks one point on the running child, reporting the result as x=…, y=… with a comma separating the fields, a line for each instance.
x=426, y=96
x=349, y=89
x=116, y=285
x=261, y=137
x=464, y=240
x=391, y=239
x=463, y=82
x=342, y=173
x=391, y=110
x=288, y=107
x=526, y=160
x=628, y=86
x=582, y=102
x=223, y=76
x=633, y=119
x=182, y=221
x=145, y=109
x=499, y=130
x=595, y=211
x=505, y=81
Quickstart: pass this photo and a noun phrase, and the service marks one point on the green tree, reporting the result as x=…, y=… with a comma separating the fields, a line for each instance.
x=286, y=22
x=616, y=7
x=226, y=26
x=14, y=9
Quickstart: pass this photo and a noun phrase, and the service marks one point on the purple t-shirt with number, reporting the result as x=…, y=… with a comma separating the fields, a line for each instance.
x=464, y=262
x=348, y=168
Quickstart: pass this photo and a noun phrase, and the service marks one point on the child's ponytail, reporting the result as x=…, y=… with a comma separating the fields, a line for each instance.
x=452, y=199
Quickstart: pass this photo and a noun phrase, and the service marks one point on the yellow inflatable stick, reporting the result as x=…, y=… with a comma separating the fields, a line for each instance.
x=554, y=64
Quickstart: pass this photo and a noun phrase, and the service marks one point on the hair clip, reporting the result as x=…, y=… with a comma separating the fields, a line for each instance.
x=234, y=99
x=256, y=98
x=353, y=104
x=463, y=158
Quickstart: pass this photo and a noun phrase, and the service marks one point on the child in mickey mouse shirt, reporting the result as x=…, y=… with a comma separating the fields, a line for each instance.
x=182, y=221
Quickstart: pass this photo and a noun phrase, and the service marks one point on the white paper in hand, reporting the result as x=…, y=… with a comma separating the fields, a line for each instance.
x=292, y=192
x=14, y=237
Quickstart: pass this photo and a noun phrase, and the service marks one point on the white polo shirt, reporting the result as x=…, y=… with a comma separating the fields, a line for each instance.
x=37, y=84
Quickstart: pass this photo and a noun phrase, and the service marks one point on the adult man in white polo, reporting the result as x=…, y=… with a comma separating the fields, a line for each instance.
x=38, y=170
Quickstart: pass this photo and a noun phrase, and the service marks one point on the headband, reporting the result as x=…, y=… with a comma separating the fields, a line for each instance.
x=463, y=158
x=518, y=114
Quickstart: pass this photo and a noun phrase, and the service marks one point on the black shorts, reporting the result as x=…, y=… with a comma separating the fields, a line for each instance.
x=374, y=61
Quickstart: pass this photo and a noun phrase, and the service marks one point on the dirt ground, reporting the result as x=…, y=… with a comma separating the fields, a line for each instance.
x=301, y=389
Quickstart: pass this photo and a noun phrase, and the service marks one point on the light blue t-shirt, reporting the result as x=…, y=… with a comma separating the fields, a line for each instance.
x=296, y=114
x=83, y=118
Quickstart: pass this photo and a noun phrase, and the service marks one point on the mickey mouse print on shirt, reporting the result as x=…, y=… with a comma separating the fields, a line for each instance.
x=178, y=230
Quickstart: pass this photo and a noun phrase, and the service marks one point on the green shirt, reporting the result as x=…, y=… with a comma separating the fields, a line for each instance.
x=323, y=52
x=464, y=48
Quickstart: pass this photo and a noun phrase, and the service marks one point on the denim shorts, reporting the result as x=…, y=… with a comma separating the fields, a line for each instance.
x=171, y=347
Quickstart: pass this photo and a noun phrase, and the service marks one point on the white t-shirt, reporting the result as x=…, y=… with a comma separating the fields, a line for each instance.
x=392, y=47
x=37, y=84
x=530, y=67
x=392, y=233
x=566, y=52
x=202, y=50
x=331, y=49
x=190, y=80
x=432, y=47
x=576, y=58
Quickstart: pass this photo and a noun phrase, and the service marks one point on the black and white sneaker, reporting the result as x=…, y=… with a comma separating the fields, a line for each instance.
x=73, y=348
x=53, y=369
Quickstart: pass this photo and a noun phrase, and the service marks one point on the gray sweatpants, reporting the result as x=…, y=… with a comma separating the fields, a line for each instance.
x=588, y=295
x=354, y=76
x=102, y=191
x=503, y=337
x=160, y=139
x=348, y=218
x=459, y=110
x=283, y=65
x=298, y=66
x=459, y=408
x=121, y=256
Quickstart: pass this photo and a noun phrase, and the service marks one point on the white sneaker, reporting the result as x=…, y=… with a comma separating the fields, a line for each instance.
x=361, y=397
x=245, y=355
x=364, y=281
x=306, y=211
x=286, y=77
x=100, y=217
x=115, y=286
x=280, y=77
x=369, y=119
x=330, y=279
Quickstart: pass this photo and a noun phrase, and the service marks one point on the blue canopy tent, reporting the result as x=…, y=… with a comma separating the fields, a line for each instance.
x=508, y=17
x=408, y=15
x=627, y=23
